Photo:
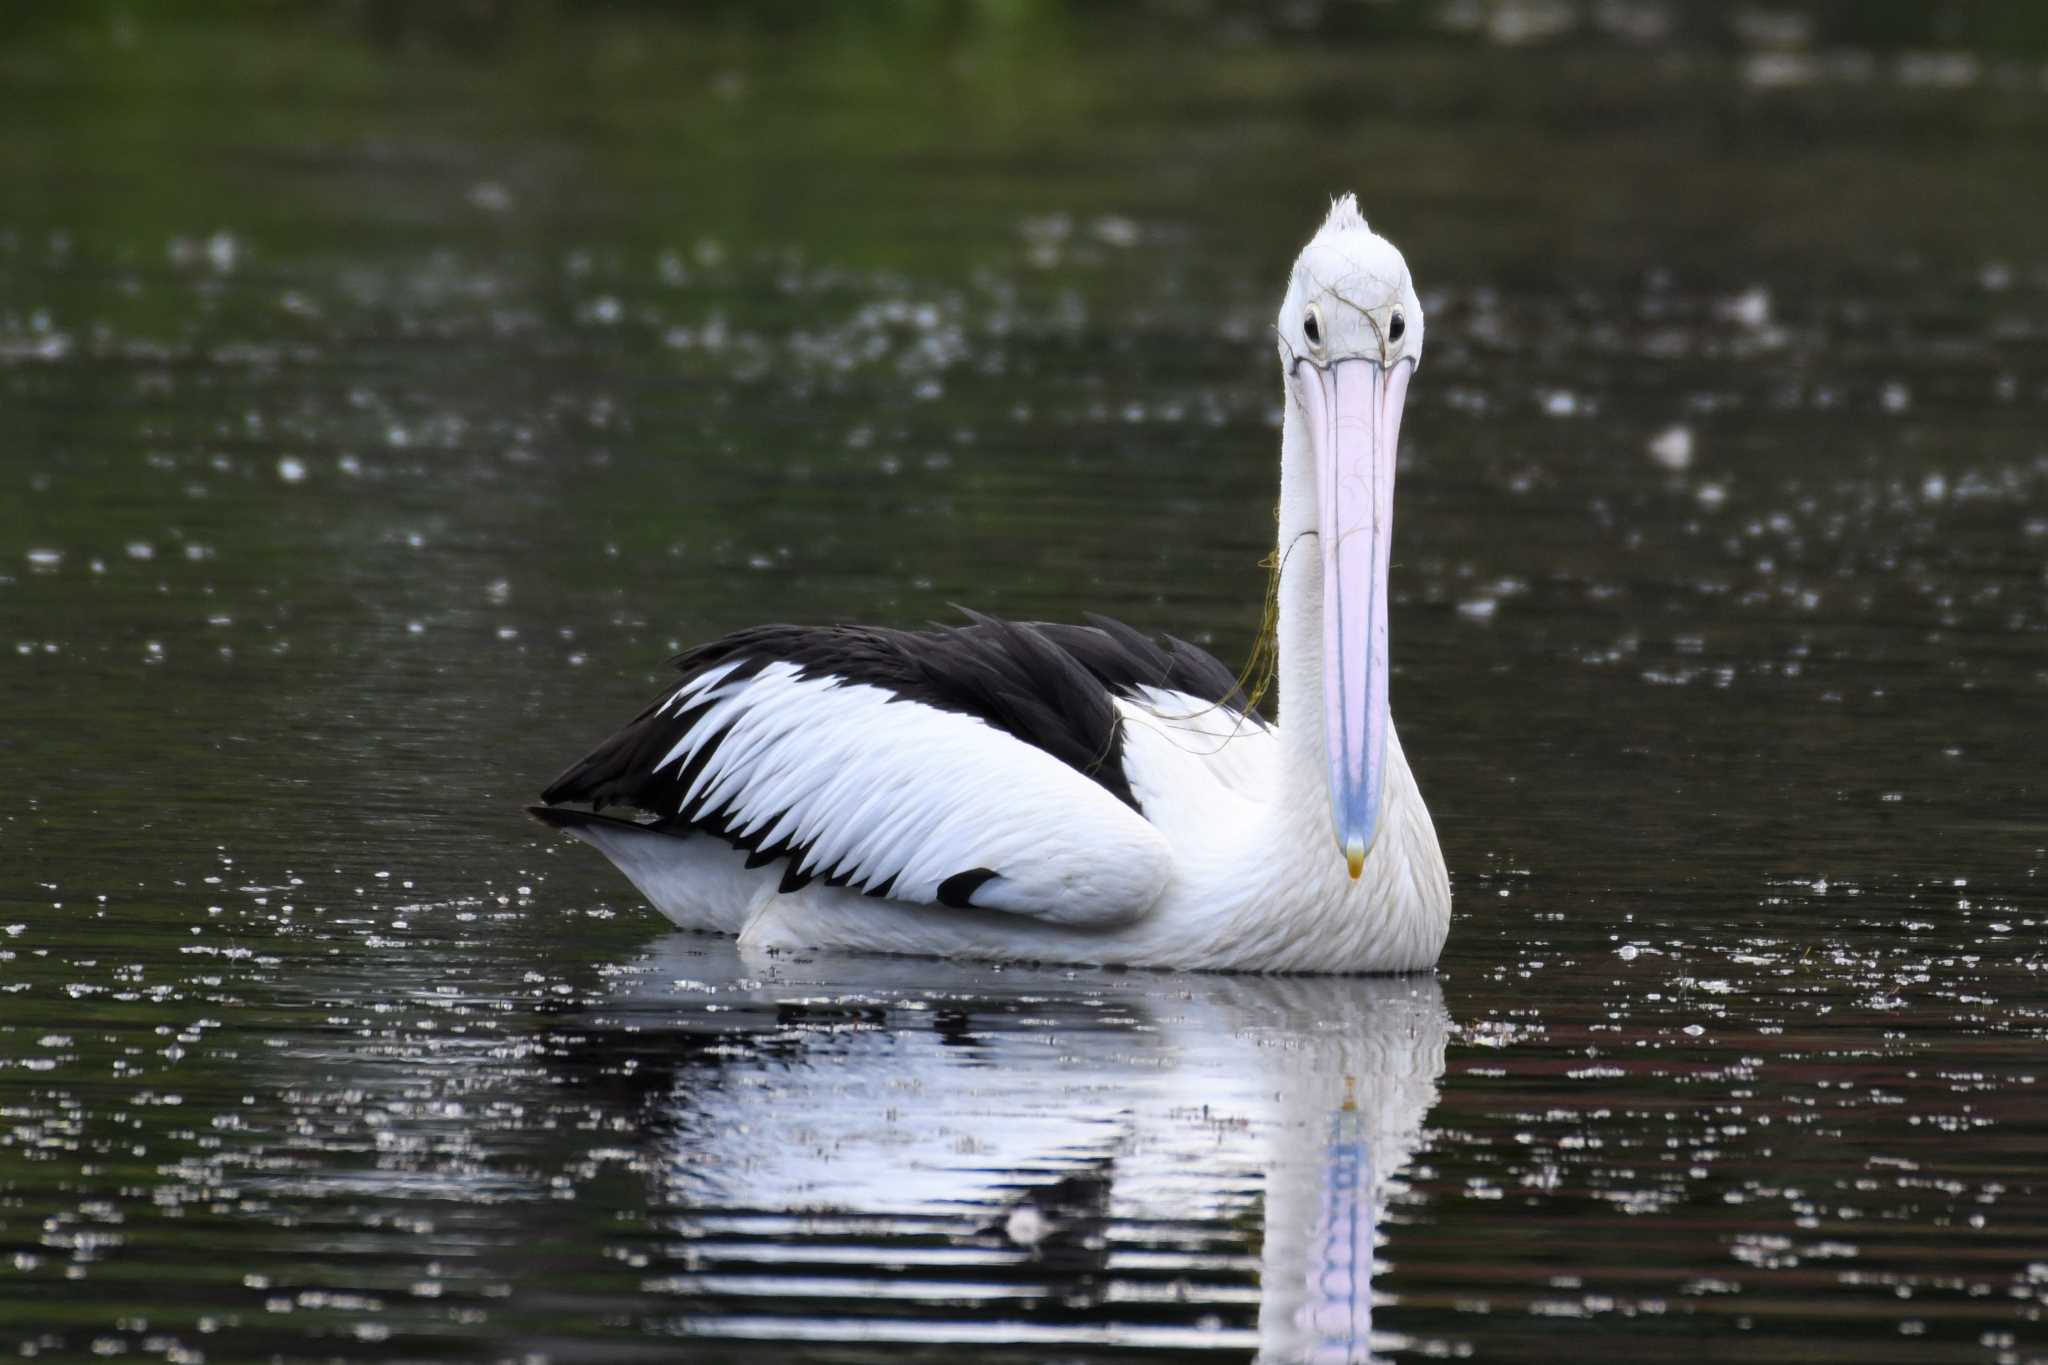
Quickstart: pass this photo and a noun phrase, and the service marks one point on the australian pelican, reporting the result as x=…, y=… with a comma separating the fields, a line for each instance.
x=1075, y=793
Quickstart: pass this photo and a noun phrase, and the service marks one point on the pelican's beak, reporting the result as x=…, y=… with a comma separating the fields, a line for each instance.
x=1354, y=424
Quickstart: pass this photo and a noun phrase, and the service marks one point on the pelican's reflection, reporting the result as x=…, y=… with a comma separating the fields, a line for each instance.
x=1024, y=1155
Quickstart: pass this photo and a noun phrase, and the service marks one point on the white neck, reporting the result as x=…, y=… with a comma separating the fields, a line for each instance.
x=1305, y=762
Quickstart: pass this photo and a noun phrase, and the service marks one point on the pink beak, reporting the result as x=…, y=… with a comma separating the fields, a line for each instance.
x=1354, y=427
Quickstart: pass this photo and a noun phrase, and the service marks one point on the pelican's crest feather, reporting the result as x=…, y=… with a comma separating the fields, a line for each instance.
x=1344, y=216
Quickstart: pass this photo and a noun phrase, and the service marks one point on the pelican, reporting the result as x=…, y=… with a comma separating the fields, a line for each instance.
x=1080, y=794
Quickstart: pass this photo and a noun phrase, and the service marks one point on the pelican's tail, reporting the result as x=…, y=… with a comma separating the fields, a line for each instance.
x=696, y=880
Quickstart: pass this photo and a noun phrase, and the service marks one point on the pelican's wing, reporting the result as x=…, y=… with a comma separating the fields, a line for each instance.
x=1233, y=748
x=1179, y=704
x=973, y=767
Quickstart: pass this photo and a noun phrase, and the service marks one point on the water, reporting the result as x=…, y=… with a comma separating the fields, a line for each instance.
x=385, y=399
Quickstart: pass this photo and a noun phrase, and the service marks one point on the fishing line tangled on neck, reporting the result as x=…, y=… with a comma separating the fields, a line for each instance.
x=1262, y=664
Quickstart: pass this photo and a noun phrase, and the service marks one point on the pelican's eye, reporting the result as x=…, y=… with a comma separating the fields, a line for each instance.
x=1397, y=326
x=1312, y=326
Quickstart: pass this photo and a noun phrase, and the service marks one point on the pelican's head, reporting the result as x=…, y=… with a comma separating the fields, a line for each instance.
x=1350, y=338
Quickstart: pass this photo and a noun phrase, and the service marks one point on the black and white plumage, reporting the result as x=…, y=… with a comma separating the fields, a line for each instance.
x=882, y=759
x=1074, y=793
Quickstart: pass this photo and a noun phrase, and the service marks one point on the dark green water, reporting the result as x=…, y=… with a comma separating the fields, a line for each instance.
x=381, y=401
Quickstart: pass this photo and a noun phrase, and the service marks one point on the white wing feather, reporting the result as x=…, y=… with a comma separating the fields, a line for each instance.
x=1234, y=749
x=879, y=789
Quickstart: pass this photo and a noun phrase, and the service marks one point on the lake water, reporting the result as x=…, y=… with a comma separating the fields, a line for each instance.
x=385, y=398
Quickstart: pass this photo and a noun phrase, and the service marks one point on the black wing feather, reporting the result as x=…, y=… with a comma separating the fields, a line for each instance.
x=1049, y=686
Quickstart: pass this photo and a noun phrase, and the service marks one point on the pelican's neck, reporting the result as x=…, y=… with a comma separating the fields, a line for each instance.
x=1305, y=780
